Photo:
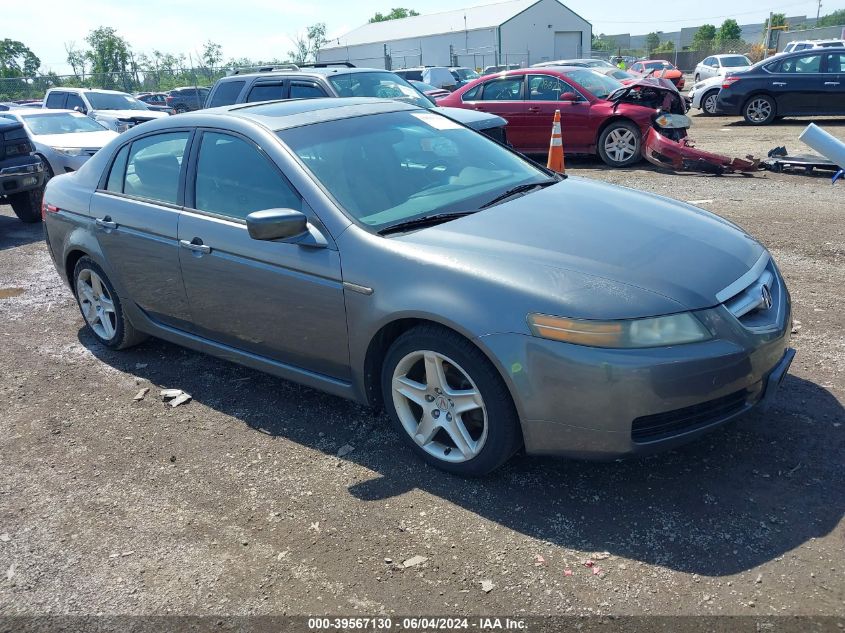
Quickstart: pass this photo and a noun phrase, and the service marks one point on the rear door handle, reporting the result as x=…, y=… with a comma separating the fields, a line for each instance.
x=533, y=109
x=195, y=245
x=831, y=83
x=105, y=223
x=778, y=83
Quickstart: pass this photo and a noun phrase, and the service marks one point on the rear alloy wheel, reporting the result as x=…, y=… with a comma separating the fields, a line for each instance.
x=759, y=110
x=27, y=205
x=448, y=402
x=708, y=102
x=101, y=307
x=619, y=144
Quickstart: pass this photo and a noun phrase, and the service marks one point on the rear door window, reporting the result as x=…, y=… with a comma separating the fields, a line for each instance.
x=234, y=178
x=266, y=91
x=505, y=89
x=303, y=90
x=226, y=94
x=56, y=100
x=835, y=63
x=801, y=65
x=154, y=166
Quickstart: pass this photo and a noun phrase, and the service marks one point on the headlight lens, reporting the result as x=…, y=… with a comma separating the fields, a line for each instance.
x=674, y=329
x=677, y=121
x=69, y=151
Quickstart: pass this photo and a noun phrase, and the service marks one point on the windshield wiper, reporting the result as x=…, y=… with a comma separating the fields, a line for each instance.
x=528, y=186
x=419, y=222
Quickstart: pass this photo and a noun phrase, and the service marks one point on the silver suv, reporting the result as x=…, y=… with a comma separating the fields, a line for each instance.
x=115, y=110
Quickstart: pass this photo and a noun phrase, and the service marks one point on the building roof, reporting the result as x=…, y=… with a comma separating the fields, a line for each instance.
x=481, y=17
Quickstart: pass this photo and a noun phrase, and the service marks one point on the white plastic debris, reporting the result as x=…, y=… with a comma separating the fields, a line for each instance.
x=487, y=586
x=413, y=561
x=140, y=395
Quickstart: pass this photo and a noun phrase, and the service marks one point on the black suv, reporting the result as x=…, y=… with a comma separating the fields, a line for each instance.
x=808, y=83
x=311, y=81
x=21, y=173
x=186, y=99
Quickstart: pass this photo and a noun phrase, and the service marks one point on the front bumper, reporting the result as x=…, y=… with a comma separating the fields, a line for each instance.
x=20, y=177
x=682, y=156
x=596, y=403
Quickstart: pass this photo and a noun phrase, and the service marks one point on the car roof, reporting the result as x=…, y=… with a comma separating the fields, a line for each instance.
x=305, y=72
x=290, y=113
x=720, y=55
x=103, y=90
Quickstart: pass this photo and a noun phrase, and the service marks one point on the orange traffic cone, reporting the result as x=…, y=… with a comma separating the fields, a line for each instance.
x=555, y=162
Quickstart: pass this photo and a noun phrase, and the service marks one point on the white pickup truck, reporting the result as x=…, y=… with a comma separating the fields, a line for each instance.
x=115, y=110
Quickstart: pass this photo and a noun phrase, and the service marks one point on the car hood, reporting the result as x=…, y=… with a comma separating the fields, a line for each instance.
x=130, y=114
x=472, y=118
x=609, y=251
x=88, y=140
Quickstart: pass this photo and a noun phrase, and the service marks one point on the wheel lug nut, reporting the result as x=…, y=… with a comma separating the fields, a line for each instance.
x=429, y=398
x=437, y=390
x=435, y=414
x=448, y=417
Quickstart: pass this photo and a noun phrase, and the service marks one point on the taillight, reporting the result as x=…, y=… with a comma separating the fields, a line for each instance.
x=47, y=208
x=729, y=81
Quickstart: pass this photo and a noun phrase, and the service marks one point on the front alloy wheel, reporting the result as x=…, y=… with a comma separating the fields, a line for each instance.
x=619, y=144
x=439, y=406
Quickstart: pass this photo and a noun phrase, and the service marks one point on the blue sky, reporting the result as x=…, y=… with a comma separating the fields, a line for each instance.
x=262, y=29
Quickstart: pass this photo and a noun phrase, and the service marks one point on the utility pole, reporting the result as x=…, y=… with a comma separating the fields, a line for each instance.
x=819, y=10
x=768, y=43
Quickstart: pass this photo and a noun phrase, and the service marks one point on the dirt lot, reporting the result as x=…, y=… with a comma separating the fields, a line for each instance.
x=237, y=503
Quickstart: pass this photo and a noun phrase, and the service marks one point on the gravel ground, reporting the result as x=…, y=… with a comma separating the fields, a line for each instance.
x=236, y=503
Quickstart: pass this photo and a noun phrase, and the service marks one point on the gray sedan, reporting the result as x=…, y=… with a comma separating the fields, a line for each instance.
x=64, y=139
x=387, y=254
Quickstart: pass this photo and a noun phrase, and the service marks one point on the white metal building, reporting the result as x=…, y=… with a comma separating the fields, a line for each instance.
x=521, y=32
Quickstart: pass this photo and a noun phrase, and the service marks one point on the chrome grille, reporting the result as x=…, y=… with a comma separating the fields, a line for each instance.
x=756, y=298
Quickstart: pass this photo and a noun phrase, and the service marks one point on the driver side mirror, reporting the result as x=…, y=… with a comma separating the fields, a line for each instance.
x=276, y=224
x=80, y=109
x=569, y=96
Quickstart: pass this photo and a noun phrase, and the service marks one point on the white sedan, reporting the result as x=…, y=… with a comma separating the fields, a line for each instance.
x=704, y=94
x=720, y=65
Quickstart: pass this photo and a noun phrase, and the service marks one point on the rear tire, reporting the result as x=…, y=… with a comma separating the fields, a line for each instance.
x=448, y=402
x=102, y=307
x=620, y=144
x=759, y=110
x=27, y=205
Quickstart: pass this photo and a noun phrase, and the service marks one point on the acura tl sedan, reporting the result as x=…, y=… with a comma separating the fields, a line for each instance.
x=385, y=253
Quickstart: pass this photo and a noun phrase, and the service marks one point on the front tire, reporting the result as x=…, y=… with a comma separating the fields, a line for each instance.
x=708, y=102
x=101, y=307
x=759, y=110
x=448, y=402
x=620, y=144
x=27, y=205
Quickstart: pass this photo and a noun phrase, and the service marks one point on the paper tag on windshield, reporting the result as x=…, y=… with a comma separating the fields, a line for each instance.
x=437, y=121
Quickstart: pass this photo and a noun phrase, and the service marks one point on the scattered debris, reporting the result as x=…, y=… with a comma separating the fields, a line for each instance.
x=487, y=586
x=387, y=560
x=705, y=201
x=796, y=325
x=539, y=561
x=175, y=396
x=413, y=561
x=567, y=572
x=588, y=563
x=167, y=394
x=682, y=155
x=314, y=527
x=128, y=553
x=173, y=459
x=759, y=579
x=4, y=537
x=598, y=571
x=601, y=555
x=344, y=450
x=10, y=573
x=140, y=395
x=282, y=555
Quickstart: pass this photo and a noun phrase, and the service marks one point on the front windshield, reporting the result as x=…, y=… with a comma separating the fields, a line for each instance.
x=388, y=168
x=658, y=66
x=596, y=83
x=114, y=101
x=735, y=60
x=384, y=85
x=60, y=123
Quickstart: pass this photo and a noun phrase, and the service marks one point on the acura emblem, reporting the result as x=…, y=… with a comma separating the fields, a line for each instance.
x=766, y=301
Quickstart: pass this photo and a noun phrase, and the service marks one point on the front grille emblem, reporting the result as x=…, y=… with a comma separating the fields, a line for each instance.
x=766, y=300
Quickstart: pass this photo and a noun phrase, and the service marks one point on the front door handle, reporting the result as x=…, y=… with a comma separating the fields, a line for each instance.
x=195, y=245
x=533, y=109
x=831, y=83
x=105, y=223
x=778, y=83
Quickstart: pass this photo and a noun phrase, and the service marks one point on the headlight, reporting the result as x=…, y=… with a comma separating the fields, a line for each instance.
x=69, y=151
x=678, y=121
x=674, y=329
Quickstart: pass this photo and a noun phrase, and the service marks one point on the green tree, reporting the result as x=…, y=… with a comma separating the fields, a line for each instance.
x=603, y=43
x=395, y=14
x=306, y=47
x=109, y=57
x=16, y=60
x=836, y=18
x=665, y=47
x=728, y=32
x=77, y=60
x=703, y=38
x=778, y=19
x=652, y=41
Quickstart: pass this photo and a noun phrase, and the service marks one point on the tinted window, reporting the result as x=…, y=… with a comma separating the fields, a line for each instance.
x=75, y=101
x=118, y=170
x=154, y=164
x=226, y=94
x=808, y=64
x=835, y=62
x=384, y=85
x=234, y=179
x=471, y=94
x=266, y=92
x=56, y=100
x=507, y=89
x=546, y=88
x=306, y=91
